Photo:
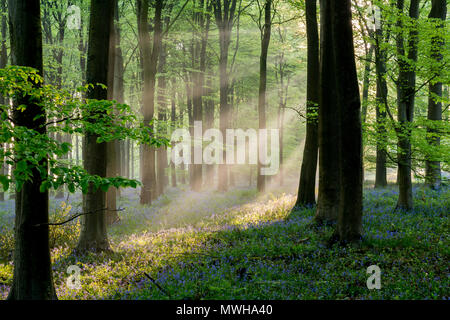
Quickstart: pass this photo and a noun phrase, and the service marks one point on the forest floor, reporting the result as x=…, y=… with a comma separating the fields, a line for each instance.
x=240, y=245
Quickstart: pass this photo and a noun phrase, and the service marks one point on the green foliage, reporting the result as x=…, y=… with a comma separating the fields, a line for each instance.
x=108, y=120
x=428, y=71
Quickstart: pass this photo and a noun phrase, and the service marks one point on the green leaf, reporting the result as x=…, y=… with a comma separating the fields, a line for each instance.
x=5, y=182
x=71, y=187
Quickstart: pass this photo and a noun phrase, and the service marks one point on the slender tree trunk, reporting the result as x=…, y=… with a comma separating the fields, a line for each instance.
x=349, y=225
x=224, y=16
x=433, y=167
x=366, y=82
x=150, y=61
x=113, y=147
x=265, y=41
x=381, y=100
x=329, y=172
x=405, y=98
x=3, y=62
x=93, y=235
x=162, y=105
x=191, y=130
x=208, y=124
x=173, y=118
x=32, y=278
x=182, y=166
x=281, y=143
x=306, y=190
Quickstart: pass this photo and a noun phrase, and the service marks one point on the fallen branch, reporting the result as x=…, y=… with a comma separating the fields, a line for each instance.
x=157, y=285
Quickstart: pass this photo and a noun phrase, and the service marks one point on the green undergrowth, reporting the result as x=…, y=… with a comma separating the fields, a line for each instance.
x=239, y=246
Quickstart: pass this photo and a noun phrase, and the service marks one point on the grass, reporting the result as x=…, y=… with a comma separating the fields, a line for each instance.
x=239, y=246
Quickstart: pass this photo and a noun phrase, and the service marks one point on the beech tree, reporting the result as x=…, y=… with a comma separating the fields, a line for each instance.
x=432, y=167
x=32, y=267
x=149, y=56
x=329, y=170
x=306, y=189
x=224, y=13
x=3, y=61
x=265, y=30
x=406, y=86
x=349, y=225
x=93, y=235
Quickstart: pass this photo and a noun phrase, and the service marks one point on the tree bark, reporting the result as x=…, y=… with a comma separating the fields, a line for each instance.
x=306, y=190
x=173, y=118
x=265, y=41
x=162, y=106
x=224, y=16
x=150, y=57
x=208, y=124
x=433, y=167
x=349, y=225
x=381, y=100
x=113, y=147
x=93, y=235
x=32, y=278
x=405, y=104
x=328, y=198
x=366, y=83
x=3, y=62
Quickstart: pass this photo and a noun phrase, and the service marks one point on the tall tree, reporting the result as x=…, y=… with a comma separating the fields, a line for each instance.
x=173, y=118
x=349, y=225
x=32, y=265
x=209, y=108
x=381, y=104
x=115, y=91
x=283, y=79
x=149, y=56
x=3, y=61
x=265, y=41
x=328, y=198
x=433, y=168
x=406, y=85
x=93, y=235
x=201, y=17
x=54, y=14
x=224, y=13
x=161, y=152
x=307, y=185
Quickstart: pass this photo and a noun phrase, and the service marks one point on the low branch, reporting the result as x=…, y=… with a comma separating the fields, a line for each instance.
x=74, y=217
x=296, y=110
x=62, y=120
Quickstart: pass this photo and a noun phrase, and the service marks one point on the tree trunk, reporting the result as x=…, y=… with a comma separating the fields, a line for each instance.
x=150, y=61
x=162, y=106
x=306, y=190
x=349, y=225
x=173, y=117
x=366, y=83
x=32, y=265
x=208, y=124
x=328, y=198
x=432, y=167
x=224, y=16
x=265, y=41
x=381, y=100
x=113, y=147
x=3, y=62
x=93, y=235
x=405, y=98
